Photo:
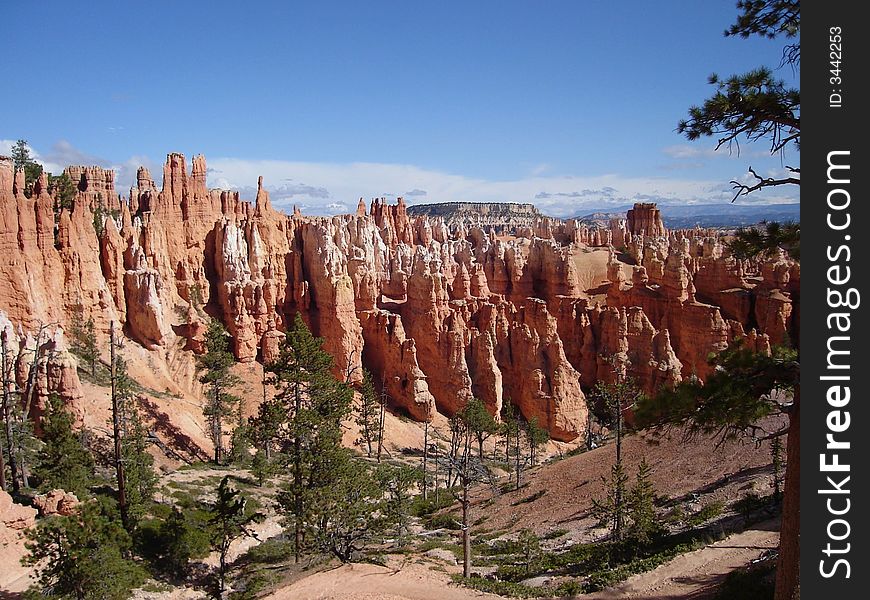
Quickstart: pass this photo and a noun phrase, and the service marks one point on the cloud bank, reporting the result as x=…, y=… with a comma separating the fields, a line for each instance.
x=330, y=188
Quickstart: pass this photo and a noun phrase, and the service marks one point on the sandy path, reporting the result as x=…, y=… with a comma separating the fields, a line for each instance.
x=695, y=575
x=371, y=582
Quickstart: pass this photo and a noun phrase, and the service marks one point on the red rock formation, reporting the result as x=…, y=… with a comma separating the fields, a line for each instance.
x=15, y=519
x=440, y=312
x=56, y=502
x=645, y=219
x=392, y=358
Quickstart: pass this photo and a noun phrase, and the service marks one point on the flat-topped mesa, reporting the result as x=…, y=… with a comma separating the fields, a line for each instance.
x=645, y=219
x=501, y=217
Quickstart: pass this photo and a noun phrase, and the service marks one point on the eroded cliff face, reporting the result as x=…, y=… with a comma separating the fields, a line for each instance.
x=438, y=313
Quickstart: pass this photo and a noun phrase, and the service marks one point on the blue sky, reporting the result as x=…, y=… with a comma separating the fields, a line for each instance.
x=568, y=104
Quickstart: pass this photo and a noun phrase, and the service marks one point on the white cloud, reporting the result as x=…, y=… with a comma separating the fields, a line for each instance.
x=329, y=188
x=555, y=195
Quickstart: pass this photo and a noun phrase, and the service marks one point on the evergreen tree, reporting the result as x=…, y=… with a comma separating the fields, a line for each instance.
x=10, y=448
x=530, y=548
x=469, y=470
x=744, y=387
x=611, y=510
x=755, y=106
x=265, y=427
x=263, y=468
x=179, y=548
x=83, y=337
x=641, y=507
x=215, y=364
x=82, y=556
x=315, y=403
x=343, y=515
x=140, y=477
x=64, y=191
x=754, y=242
x=368, y=415
x=32, y=169
x=64, y=462
x=397, y=483
x=617, y=398
x=509, y=426
x=536, y=436
x=230, y=520
x=481, y=423
x=240, y=446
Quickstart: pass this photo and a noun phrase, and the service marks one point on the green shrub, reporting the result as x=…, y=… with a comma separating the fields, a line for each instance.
x=707, y=513
x=442, y=521
x=434, y=503
x=270, y=552
x=502, y=588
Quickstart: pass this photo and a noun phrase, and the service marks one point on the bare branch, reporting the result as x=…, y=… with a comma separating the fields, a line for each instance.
x=763, y=182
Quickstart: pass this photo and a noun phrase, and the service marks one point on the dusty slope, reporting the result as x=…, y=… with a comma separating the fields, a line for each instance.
x=679, y=469
x=410, y=581
x=697, y=574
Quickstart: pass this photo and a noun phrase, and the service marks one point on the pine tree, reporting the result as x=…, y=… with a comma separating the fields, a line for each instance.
x=64, y=191
x=641, y=507
x=536, y=436
x=83, y=336
x=216, y=363
x=32, y=169
x=64, y=462
x=7, y=364
x=82, y=556
x=343, y=515
x=469, y=470
x=611, y=510
x=265, y=427
x=530, y=548
x=481, y=423
x=368, y=415
x=262, y=467
x=616, y=398
x=315, y=403
x=509, y=426
x=140, y=479
x=175, y=532
x=230, y=520
x=397, y=484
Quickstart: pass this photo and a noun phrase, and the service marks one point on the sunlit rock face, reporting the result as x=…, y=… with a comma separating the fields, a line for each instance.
x=503, y=304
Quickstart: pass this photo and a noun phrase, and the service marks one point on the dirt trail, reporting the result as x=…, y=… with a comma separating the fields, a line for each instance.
x=410, y=581
x=695, y=575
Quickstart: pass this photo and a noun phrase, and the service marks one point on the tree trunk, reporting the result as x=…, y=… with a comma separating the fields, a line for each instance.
x=7, y=422
x=425, y=457
x=617, y=501
x=466, y=532
x=116, y=433
x=217, y=425
x=788, y=565
x=381, y=426
x=518, y=454
x=297, y=481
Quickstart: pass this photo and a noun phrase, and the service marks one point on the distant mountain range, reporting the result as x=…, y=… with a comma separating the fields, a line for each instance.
x=708, y=215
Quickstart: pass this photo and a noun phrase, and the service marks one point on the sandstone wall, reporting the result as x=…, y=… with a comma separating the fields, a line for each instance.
x=439, y=313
